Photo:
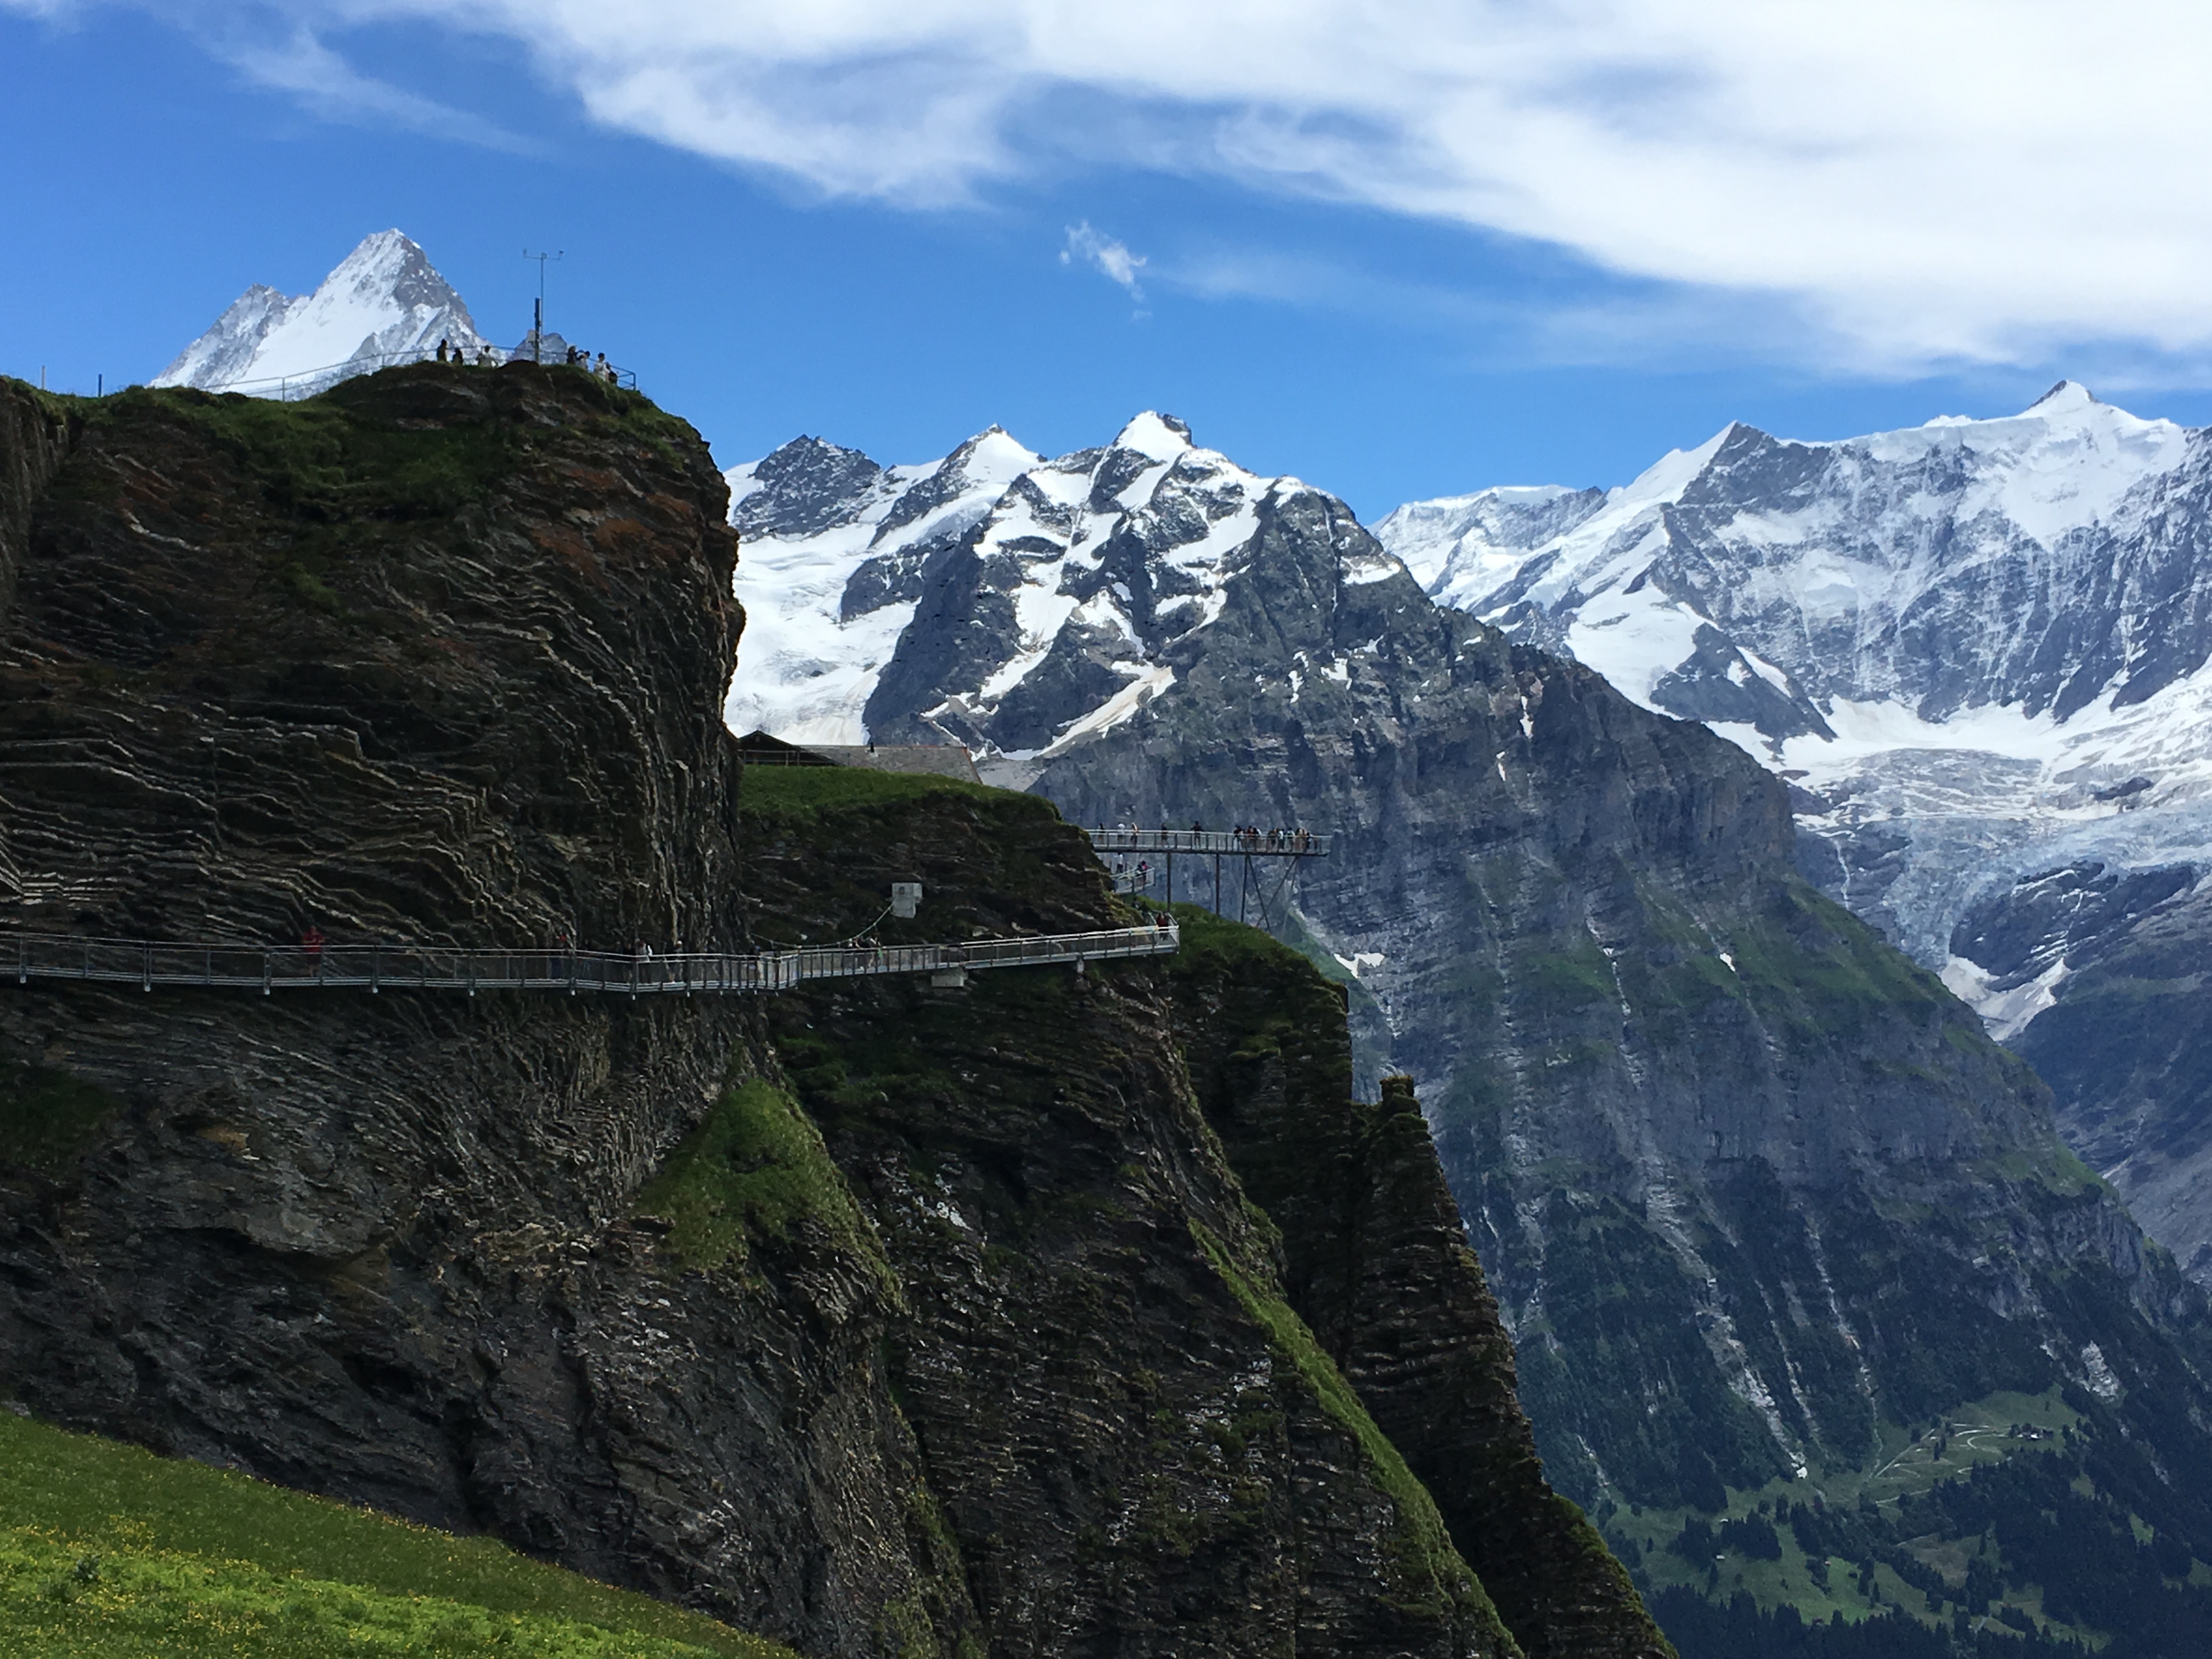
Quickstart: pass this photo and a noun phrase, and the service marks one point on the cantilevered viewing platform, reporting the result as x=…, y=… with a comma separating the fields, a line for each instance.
x=1244, y=848
x=1243, y=843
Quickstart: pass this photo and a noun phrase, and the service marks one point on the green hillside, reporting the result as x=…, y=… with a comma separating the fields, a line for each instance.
x=107, y=1551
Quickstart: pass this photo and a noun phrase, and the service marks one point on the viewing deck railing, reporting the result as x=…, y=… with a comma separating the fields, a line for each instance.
x=310, y=382
x=376, y=966
x=1263, y=844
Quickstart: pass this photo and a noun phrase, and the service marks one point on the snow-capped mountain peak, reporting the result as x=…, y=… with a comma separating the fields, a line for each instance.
x=1018, y=604
x=1868, y=614
x=2068, y=396
x=1162, y=437
x=384, y=299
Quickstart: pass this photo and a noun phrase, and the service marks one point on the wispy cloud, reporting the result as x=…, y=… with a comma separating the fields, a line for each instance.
x=1976, y=180
x=281, y=45
x=1110, y=259
x=327, y=86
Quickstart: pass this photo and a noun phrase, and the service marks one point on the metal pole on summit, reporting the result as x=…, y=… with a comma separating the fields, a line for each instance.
x=538, y=322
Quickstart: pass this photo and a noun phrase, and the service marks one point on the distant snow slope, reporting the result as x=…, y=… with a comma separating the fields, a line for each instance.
x=812, y=518
x=1984, y=627
x=384, y=299
x=1017, y=604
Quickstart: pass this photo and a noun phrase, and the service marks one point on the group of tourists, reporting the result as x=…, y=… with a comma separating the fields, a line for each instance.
x=579, y=358
x=487, y=356
x=1253, y=839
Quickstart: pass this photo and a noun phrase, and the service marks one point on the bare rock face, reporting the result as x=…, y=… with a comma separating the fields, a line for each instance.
x=1138, y=1443
x=1376, y=1261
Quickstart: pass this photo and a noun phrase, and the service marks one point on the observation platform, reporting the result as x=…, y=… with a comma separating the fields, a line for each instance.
x=1256, y=844
x=1213, y=882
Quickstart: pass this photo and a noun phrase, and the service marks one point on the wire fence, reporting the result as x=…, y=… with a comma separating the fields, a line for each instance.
x=309, y=382
x=375, y=967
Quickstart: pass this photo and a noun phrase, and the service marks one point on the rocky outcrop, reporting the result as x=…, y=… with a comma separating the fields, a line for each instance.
x=439, y=658
x=882, y=1318
x=1377, y=1261
x=1136, y=1441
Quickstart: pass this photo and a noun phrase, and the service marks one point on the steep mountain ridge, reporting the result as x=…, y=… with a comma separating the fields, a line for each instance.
x=384, y=300
x=1727, y=1159
x=1977, y=650
x=1016, y=604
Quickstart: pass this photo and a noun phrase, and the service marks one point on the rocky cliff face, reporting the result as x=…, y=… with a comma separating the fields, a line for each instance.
x=1753, y=1191
x=1375, y=1259
x=1129, y=1428
x=880, y=1319
x=437, y=657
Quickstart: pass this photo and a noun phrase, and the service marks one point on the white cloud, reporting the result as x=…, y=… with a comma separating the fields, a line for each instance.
x=1920, y=179
x=326, y=85
x=1111, y=259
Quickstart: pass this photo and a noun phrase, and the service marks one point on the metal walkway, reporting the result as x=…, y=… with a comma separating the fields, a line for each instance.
x=375, y=967
x=1115, y=846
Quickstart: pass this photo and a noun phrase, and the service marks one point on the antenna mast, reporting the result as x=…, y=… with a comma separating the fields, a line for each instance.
x=537, y=316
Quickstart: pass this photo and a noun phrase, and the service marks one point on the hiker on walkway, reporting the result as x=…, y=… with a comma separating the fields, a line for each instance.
x=311, y=942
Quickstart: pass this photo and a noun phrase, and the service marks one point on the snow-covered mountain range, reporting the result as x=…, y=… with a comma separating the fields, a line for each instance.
x=1017, y=604
x=384, y=299
x=1663, y=1077
x=1978, y=649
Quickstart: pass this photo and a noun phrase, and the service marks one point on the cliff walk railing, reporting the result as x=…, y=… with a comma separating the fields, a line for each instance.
x=1256, y=890
x=1245, y=843
x=309, y=382
x=375, y=967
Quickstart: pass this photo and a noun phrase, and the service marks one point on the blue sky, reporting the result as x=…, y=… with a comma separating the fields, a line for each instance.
x=1325, y=289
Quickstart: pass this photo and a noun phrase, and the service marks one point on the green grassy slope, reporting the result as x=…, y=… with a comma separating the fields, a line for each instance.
x=108, y=1550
